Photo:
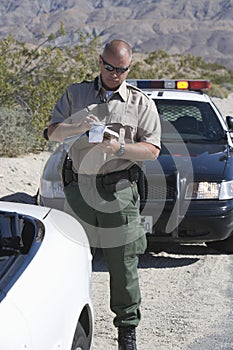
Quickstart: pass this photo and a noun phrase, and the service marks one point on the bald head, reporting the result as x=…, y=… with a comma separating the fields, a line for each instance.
x=118, y=48
x=115, y=64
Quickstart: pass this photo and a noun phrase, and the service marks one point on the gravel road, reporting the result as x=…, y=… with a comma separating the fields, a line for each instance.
x=186, y=300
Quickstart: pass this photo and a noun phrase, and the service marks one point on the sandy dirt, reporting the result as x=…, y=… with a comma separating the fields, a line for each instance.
x=186, y=302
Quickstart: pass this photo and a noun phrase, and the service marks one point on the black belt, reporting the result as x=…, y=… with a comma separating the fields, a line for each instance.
x=111, y=179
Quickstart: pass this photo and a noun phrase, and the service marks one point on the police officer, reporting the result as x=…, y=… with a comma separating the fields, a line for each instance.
x=103, y=193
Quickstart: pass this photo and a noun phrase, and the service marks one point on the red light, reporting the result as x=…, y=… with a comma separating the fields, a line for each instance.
x=157, y=84
x=199, y=84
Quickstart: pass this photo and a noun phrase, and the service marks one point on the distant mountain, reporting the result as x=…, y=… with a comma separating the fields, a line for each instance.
x=202, y=28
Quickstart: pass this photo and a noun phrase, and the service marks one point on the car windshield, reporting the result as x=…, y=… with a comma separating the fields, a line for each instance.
x=194, y=121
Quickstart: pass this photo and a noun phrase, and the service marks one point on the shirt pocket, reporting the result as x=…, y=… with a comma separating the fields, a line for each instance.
x=129, y=124
x=124, y=119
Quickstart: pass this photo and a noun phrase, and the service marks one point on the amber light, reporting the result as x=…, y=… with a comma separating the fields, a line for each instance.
x=182, y=85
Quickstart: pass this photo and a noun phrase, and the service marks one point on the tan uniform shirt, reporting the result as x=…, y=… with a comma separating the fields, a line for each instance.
x=127, y=107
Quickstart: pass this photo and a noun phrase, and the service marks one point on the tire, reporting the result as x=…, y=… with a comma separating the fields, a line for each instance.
x=80, y=341
x=225, y=246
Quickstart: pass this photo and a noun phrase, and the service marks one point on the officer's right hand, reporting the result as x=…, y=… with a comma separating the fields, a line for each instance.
x=87, y=122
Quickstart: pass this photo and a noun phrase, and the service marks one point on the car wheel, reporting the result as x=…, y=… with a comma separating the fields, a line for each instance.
x=225, y=246
x=80, y=341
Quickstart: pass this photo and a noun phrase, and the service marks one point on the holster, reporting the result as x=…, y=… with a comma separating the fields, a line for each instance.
x=67, y=172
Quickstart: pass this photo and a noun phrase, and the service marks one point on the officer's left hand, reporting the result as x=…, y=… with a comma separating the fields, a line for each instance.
x=109, y=146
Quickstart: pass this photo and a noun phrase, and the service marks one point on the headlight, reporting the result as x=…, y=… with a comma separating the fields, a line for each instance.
x=210, y=190
x=51, y=189
x=226, y=190
x=202, y=190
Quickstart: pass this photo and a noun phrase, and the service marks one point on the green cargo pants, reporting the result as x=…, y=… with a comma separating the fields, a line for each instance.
x=112, y=222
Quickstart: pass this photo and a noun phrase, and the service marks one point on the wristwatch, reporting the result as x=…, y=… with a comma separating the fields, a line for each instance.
x=121, y=150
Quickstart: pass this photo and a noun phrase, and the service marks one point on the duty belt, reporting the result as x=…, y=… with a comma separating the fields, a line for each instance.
x=111, y=181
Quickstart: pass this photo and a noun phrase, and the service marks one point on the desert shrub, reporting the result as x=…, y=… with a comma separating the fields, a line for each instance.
x=33, y=78
x=17, y=134
x=218, y=91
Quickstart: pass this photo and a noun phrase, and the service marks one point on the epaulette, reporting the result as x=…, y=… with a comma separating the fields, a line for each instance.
x=96, y=82
x=85, y=81
x=133, y=87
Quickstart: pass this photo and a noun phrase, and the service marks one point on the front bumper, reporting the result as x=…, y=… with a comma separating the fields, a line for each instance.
x=201, y=221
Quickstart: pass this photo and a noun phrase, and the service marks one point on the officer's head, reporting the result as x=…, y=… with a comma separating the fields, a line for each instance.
x=115, y=63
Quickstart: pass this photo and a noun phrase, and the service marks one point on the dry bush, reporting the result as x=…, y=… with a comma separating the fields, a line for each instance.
x=17, y=135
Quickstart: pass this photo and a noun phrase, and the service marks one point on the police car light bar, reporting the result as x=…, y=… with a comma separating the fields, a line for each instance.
x=171, y=84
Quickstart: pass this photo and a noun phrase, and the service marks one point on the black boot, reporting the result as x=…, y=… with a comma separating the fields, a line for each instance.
x=127, y=338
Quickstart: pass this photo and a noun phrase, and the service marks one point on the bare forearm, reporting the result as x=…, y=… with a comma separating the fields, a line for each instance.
x=134, y=151
x=141, y=151
x=59, y=132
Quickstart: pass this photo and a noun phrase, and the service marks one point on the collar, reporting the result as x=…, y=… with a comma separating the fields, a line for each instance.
x=122, y=90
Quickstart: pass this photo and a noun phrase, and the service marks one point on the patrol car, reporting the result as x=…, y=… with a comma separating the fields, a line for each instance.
x=187, y=193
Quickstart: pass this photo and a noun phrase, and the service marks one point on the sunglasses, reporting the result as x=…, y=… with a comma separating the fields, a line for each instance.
x=110, y=68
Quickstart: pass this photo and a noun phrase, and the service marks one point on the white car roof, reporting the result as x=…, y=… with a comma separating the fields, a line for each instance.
x=178, y=95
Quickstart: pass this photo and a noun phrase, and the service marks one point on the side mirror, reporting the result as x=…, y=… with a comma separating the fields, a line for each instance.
x=229, y=121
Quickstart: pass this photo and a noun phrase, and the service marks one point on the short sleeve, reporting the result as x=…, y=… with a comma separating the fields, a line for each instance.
x=62, y=109
x=149, y=127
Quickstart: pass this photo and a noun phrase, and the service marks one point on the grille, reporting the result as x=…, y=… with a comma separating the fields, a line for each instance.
x=159, y=192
